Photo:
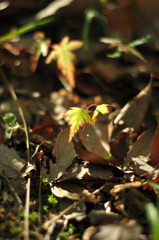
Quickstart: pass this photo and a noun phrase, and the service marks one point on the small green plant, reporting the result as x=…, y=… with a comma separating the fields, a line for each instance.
x=81, y=116
x=33, y=216
x=10, y=120
x=45, y=180
x=153, y=213
x=65, y=234
x=53, y=200
x=45, y=208
x=122, y=48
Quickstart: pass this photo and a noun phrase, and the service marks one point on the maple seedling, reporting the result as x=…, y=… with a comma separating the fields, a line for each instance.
x=81, y=116
x=64, y=57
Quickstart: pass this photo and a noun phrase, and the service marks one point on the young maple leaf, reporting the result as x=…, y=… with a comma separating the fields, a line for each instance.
x=77, y=117
x=103, y=108
x=64, y=57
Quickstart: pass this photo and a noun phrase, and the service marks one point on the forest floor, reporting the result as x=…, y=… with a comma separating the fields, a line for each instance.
x=103, y=185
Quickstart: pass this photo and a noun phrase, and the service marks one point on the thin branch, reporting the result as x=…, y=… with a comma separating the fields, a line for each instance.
x=53, y=220
x=14, y=96
x=19, y=201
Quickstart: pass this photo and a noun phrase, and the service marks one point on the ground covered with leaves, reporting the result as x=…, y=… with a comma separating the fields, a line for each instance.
x=79, y=116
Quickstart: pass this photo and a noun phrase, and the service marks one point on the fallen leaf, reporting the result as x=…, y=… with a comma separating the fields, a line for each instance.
x=64, y=153
x=133, y=113
x=10, y=162
x=78, y=213
x=95, y=139
x=89, y=156
x=141, y=147
x=139, y=166
x=62, y=53
x=130, y=230
x=154, y=155
x=73, y=191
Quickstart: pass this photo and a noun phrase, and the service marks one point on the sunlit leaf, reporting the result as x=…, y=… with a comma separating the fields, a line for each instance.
x=136, y=53
x=115, y=54
x=103, y=108
x=112, y=41
x=140, y=41
x=64, y=57
x=26, y=28
x=77, y=117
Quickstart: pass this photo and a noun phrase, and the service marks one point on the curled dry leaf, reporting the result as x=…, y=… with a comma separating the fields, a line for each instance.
x=10, y=162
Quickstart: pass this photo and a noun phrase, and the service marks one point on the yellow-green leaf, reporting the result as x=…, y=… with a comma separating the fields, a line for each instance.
x=77, y=117
x=103, y=108
x=64, y=57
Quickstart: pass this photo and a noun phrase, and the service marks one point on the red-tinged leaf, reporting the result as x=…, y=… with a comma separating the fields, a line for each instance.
x=46, y=127
x=154, y=155
x=77, y=117
x=89, y=156
x=64, y=57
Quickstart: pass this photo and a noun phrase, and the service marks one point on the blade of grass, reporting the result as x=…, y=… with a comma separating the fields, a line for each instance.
x=26, y=28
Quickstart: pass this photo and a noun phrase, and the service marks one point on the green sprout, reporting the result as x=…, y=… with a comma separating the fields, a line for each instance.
x=10, y=120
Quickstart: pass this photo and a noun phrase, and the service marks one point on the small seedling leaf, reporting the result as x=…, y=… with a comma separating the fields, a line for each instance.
x=77, y=117
x=9, y=119
x=116, y=54
x=140, y=41
x=103, y=108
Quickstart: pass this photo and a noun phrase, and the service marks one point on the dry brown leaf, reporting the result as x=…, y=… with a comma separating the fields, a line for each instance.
x=64, y=153
x=72, y=191
x=89, y=156
x=133, y=113
x=10, y=162
x=154, y=155
x=141, y=147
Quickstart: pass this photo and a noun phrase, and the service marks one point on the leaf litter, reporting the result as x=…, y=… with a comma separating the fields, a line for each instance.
x=101, y=185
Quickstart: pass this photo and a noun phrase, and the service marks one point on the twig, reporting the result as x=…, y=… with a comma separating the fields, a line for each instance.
x=19, y=201
x=14, y=96
x=56, y=218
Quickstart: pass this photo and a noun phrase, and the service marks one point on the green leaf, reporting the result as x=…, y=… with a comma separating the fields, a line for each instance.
x=154, y=185
x=53, y=200
x=90, y=14
x=116, y=54
x=26, y=28
x=64, y=57
x=77, y=117
x=9, y=119
x=103, y=108
x=136, y=53
x=140, y=41
x=8, y=133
